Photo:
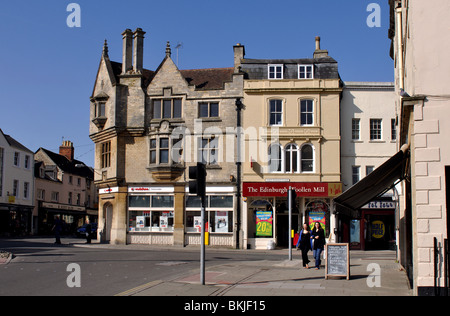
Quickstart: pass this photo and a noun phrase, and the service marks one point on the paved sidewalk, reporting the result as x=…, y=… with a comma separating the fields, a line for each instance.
x=285, y=278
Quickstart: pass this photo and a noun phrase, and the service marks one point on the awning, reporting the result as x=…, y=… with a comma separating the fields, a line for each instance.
x=375, y=184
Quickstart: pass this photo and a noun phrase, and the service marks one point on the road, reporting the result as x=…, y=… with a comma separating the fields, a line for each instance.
x=41, y=268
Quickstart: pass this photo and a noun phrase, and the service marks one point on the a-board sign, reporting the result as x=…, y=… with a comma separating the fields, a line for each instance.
x=337, y=261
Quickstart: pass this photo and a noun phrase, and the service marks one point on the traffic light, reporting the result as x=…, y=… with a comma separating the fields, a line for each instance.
x=198, y=174
x=293, y=197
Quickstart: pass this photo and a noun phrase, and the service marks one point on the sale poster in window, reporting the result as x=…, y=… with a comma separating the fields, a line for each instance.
x=264, y=224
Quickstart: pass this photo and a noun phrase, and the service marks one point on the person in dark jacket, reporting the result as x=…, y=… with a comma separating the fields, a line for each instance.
x=318, y=236
x=304, y=244
x=88, y=232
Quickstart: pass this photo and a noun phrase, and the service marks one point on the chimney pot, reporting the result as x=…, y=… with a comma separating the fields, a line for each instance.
x=138, y=50
x=127, y=51
x=67, y=150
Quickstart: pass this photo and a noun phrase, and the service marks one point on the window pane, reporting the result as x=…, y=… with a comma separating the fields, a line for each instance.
x=221, y=201
x=193, y=201
x=139, y=201
x=214, y=110
x=203, y=110
x=162, y=201
x=167, y=109
x=164, y=156
x=153, y=143
x=157, y=109
x=164, y=143
x=177, y=108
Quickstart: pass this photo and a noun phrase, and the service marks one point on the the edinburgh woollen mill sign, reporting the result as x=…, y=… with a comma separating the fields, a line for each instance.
x=337, y=261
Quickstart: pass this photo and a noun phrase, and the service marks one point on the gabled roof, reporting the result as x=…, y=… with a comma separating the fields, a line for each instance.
x=14, y=143
x=69, y=166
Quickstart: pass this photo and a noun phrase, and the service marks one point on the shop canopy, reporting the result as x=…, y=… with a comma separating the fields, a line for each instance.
x=375, y=184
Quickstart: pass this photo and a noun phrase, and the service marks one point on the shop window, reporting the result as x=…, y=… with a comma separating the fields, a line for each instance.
x=151, y=221
x=220, y=201
x=139, y=201
x=162, y=201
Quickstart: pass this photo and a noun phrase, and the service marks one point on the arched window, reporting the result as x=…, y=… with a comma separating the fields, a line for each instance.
x=307, y=158
x=275, y=158
x=291, y=159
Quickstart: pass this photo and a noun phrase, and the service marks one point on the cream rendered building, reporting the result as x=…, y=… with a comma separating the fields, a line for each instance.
x=291, y=139
x=420, y=45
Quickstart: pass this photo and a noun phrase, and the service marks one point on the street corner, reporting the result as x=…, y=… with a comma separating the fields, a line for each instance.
x=5, y=257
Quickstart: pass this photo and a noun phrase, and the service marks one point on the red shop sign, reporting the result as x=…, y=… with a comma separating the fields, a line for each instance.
x=278, y=189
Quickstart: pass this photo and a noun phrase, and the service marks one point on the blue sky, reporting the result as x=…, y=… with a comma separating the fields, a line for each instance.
x=48, y=69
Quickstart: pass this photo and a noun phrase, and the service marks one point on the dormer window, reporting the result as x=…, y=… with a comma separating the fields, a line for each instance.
x=305, y=72
x=275, y=71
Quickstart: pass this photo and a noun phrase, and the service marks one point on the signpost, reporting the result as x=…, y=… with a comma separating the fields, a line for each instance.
x=337, y=261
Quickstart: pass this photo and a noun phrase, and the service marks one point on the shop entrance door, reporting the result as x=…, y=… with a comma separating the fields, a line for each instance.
x=283, y=228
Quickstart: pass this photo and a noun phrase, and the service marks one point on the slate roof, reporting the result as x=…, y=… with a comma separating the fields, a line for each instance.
x=202, y=79
x=14, y=143
x=68, y=166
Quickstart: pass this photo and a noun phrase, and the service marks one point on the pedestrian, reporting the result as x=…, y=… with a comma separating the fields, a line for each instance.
x=304, y=243
x=318, y=237
x=57, y=228
x=88, y=232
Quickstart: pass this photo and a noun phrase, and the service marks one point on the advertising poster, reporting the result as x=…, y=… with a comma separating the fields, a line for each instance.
x=317, y=216
x=198, y=223
x=221, y=222
x=264, y=220
x=140, y=221
x=163, y=221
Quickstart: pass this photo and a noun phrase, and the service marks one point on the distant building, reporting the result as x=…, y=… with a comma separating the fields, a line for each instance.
x=369, y=134
x=16, y=187
x=65, y=188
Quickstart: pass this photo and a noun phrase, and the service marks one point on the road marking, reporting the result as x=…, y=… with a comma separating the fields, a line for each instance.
x=140, y=288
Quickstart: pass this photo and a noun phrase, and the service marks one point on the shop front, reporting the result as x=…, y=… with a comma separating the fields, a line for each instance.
x=15, y=220
x=268, y=211
x=72, y=217
x=372, y=227
x=168, y=215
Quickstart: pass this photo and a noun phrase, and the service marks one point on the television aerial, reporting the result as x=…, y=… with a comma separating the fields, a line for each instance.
x=179, y=45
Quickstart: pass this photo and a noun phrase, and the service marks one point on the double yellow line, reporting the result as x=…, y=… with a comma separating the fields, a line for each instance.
x=140, y=288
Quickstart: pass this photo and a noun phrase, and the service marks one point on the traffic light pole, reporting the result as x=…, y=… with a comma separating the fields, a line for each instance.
x=290, y=222
x=202, y=251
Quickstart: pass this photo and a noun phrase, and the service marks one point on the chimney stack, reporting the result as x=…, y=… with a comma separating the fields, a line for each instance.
x=319, y=53
x=127, y=51
x=239, y=54
x=67, y=150
x=138, y=50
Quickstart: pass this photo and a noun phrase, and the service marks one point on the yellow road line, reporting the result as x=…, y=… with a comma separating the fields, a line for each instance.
x=140, y=288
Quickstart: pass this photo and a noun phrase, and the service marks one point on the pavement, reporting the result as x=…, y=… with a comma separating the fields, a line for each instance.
x=372, y=273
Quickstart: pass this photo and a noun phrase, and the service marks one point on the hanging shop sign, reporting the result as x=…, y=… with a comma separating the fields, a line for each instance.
x=280, y=189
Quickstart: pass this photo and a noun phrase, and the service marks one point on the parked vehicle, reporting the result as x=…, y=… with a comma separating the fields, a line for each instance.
x=81, y=231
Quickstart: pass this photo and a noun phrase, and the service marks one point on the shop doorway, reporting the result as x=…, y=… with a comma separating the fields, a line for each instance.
x=107, y=222
x=379, y=232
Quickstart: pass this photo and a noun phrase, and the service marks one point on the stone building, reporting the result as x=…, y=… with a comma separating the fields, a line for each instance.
x=149, y=127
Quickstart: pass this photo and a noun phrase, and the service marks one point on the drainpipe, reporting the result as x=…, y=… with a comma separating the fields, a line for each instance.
x=239, y=107
x=400, y=48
